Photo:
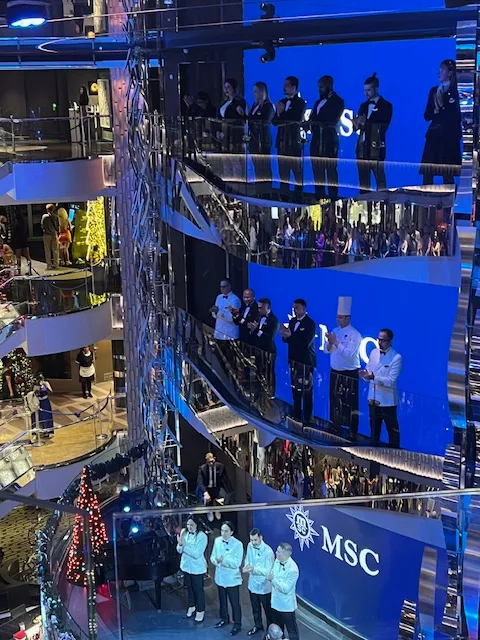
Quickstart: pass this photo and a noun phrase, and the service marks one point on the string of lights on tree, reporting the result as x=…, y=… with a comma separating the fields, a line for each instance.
x=88, y=501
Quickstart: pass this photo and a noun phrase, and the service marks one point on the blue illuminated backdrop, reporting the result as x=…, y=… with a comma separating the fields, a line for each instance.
x=421, y=316
x=406, y=70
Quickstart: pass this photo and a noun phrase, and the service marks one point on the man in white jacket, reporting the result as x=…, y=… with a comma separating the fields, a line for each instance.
x=284, y=578
x=227, y=556
x=258, y=564
x=382, y=371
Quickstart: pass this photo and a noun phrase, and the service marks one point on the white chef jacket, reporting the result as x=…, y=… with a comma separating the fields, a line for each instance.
x=345, y=357
x=284, y=582
x=225, y=328
x=386, y=369
x=227, y=574
x=261, y=560
x=193, y=553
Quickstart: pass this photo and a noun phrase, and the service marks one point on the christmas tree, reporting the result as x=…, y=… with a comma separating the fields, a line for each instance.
x=22, y=371
x=88, y=501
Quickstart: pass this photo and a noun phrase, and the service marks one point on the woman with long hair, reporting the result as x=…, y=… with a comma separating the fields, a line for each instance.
x=231, y=135
x=442, y=154
x=259, y=119
x=192, y=542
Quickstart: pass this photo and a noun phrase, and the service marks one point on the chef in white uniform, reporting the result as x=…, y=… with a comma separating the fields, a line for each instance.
x=258, y=564
x=343, y=345
x=382, y=371
x=225, y=328
x=284, y=578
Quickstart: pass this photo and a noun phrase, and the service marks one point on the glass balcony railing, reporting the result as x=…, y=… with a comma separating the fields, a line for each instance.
x=33, y=139
x=313, y=404
x=391, y=565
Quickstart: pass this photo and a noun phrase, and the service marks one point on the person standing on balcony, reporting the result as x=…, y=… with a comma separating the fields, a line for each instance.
x=382, y=371
x=323, y=123
x=227, y=556
x=86, y=371
x=289, y=113
x=212, y=481
x=372, y=122
x=19, y=241
x=9, y=388
x=259, y=118
x=231, y=135
x=226, y=330
x=248, y=312
x=258, y=565
x=50, y=228
x=343, y=345
x=300, y=337
x=264, y=330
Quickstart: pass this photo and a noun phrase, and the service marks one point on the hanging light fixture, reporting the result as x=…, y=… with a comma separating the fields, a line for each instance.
x=23, y=14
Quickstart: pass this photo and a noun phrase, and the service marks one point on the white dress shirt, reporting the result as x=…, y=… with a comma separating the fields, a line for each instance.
x=345, y=356
x=386, y=369
x=261, y=560
x=285, y=576
x=227, y=573
x=193, y=553
x=225, y=328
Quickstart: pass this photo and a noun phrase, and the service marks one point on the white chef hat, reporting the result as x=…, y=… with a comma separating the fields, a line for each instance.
x=344, y=307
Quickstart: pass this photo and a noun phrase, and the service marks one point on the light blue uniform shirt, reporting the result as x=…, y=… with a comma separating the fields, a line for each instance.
x=261, y=560
x=193, y=553
x=284, y=597
x=227, y=573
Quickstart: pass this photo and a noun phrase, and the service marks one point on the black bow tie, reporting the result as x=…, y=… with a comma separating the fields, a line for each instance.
x=225, y=297
x=225, y=541
x=383, y=352
x=372, y=102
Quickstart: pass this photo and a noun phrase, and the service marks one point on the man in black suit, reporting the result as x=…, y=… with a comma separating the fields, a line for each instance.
x=323, y=124
x=264, y=330
x=212, y=480
x=373, y=120
x=247, y=313
x=300, y=337
x=289, y=113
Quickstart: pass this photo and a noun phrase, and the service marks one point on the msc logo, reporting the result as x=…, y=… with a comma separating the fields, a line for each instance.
x=348, y=551
x=342, y=548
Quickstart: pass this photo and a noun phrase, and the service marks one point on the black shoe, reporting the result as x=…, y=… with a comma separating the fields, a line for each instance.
x=85, y=396
x=90, y=395
x=235, y=631
x=221, y=623
x=254, y=630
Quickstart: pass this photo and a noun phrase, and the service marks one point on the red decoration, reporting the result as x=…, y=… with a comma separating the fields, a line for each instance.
x=88, y=501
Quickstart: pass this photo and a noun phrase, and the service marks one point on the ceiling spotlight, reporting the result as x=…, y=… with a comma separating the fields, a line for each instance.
x=26, y=13
x=268, y=11
x=269, y=55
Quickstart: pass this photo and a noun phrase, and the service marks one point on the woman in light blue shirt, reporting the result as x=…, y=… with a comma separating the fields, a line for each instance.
x=227, y=556
x=191, y=545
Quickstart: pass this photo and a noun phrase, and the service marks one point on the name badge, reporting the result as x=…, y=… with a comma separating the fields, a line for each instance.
x=302, y=328
x=260, y=333
x=242, y=320
x=452, y=100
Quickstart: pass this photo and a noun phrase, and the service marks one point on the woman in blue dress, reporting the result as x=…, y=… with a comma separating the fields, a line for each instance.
x=45, y=415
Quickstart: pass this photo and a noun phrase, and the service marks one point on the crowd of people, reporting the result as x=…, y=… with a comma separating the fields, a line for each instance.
x=252, y=327
x=235, y=127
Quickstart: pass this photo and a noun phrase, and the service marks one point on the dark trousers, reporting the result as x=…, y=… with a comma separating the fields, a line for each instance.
x=259, y=600
x=86, y=385
x=288, y=163
x=365, y=167
x=344, y=400
x=196, y=594
x=286, y=620
x=378, y=415
x=232, y=594
x=301, y=376
x=265, y=363
x=325, y=167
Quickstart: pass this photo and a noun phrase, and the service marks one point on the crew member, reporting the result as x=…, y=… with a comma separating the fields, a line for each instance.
x=284, y=578
x=227, y=556
x=264, y=330
x=258, y=564
x=212, y=481
x=324, y=119
x=192, y=543
x=225, y=328
x=373, y=120
x=343, y=345
x=383, y=368
x=289, y=113
x=300, y=337
x=242, y=316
